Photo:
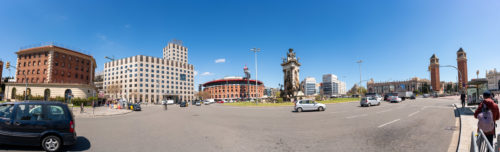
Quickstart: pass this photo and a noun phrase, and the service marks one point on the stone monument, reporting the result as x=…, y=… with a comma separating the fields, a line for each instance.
x=291, y=69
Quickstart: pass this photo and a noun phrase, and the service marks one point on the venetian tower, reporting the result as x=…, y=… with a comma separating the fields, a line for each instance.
x=462, y=68
x=434, y=69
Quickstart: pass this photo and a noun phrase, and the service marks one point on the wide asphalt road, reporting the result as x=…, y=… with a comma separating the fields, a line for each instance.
x=413, y=125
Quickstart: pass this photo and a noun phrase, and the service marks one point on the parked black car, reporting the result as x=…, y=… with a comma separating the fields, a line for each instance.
x=413, y=97
x=47, y=124
x=183, y=104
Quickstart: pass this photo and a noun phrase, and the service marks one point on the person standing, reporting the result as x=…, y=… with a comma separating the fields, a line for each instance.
x=487, y=113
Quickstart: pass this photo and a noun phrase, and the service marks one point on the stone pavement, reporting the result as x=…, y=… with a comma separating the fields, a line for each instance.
x=469, y=124
x=89, y=112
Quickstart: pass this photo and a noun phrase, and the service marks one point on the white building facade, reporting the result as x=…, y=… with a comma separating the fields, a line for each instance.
x=151, y=79
x=309, y=86
x=332, y=87
x=493, y=77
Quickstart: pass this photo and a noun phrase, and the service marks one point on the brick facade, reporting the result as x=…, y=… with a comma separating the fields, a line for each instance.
x=233, y=89
x=53, y=64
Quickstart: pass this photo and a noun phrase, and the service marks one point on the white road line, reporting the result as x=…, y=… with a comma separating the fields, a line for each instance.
x=338, y=112
x=383, y=111
x=356, y=116
x=413, y=113
x=388, y=123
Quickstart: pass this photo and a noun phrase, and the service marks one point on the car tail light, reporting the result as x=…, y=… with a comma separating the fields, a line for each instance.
x=71, y=127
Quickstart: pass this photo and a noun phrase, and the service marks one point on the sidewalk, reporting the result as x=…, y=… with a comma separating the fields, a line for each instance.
x=469, y=124
x=89, y=112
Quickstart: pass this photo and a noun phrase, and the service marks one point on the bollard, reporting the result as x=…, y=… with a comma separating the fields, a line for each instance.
x=497, y=148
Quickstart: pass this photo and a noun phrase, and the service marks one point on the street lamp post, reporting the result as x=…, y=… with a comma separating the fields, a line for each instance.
x=25, y=78
x=359, y=90
x=255, y=50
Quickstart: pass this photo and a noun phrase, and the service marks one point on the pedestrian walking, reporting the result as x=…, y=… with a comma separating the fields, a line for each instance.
x=462, y=98
x=487, y=113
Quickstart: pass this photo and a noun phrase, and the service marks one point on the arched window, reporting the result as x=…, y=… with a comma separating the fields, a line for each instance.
x=29, y=91
x=13, y=94
x=67, y=95
x=46, y=94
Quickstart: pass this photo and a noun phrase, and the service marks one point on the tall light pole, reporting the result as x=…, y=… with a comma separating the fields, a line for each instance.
x=110, y=58
x=255, y=50
x=359, y=62
x=459, y=74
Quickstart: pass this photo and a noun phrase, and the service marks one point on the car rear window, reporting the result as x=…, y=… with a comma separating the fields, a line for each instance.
x=29, y=112
x=6, y=110
x=56, y=112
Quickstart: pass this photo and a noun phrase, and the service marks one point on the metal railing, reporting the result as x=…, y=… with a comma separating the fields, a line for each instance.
x=480, y=143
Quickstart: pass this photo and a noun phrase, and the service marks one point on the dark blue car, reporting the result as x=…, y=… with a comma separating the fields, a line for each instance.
x=47, y=124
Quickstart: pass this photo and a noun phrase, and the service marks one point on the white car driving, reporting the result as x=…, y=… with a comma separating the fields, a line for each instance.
x=308, y=105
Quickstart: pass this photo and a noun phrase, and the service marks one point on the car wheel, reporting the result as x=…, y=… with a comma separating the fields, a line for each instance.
x=321, y=109
x=378, y=104
x=51, y=143
x=368, y=105
x=299, y=109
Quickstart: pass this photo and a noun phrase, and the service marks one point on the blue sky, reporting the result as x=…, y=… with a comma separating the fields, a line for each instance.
x=394, y=38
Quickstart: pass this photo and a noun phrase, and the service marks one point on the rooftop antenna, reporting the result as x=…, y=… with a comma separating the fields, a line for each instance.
x=175, y=41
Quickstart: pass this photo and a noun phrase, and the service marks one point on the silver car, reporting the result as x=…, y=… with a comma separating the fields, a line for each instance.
x=369, y=101
x=308, y=105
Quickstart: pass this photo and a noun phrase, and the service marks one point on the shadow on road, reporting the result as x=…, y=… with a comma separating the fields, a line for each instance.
x=81, y=144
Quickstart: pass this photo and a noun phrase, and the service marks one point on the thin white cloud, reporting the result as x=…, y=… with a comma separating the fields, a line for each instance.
x=206, y=74
x=102, y=36
x=220, y=60
x=195, y=73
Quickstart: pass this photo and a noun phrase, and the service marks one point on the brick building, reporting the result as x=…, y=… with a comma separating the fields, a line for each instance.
x=234, y=88
x=52, y=71
x=1, y=69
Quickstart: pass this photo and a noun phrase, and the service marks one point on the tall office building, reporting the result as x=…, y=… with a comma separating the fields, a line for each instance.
x=151, y=79
x=332, y=87
x=309, y=86
x=176, y=52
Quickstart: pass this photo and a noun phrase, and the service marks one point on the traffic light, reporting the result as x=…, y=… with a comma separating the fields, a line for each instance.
x=7, y=65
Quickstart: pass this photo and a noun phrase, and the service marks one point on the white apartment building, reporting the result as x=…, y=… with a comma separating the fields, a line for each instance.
x=332, y=87
x=493, y=77
x=151, y=79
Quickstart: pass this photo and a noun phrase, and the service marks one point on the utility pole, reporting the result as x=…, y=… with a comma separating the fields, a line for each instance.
x=255, y=50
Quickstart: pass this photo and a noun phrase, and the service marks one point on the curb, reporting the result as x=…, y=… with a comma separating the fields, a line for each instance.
x=101, y=115
x=460, y=132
